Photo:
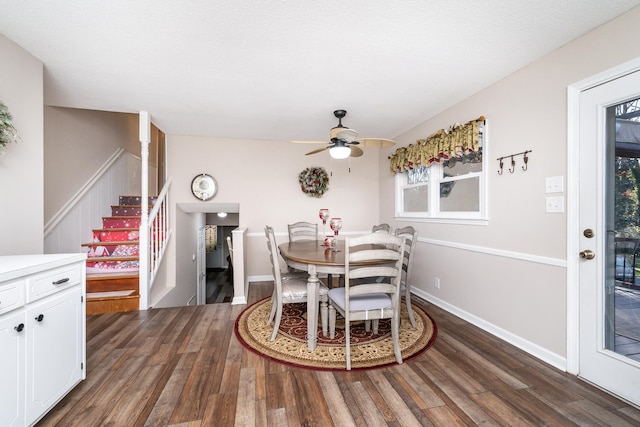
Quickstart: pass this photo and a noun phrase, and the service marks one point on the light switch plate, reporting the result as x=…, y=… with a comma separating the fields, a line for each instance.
x=554, y=184
x=555, y=204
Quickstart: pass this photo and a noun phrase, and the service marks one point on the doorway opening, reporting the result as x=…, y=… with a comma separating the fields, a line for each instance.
x=218, y=263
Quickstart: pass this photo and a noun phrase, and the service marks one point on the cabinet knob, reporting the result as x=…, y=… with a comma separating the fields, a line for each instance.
x=20, y=327
x=40, y=317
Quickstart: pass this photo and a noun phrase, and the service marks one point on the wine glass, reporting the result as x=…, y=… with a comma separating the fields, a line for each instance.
x=336, y=225
x=324, y=216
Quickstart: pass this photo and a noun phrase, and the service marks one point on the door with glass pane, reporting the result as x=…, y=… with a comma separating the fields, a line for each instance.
x=610, y=236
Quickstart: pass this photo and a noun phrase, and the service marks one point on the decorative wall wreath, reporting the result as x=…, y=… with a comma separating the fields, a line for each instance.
x=314, y=181
x=8, y=133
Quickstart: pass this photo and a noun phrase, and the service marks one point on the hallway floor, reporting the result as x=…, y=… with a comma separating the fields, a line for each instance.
x=219, y=285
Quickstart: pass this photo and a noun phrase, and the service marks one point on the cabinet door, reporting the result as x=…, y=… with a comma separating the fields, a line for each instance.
x=12, y=347
x=54, y=350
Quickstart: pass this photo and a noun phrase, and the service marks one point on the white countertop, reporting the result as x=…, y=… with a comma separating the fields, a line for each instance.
x=13, y=266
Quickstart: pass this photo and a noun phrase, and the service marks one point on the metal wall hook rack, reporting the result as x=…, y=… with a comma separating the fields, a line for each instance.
x=512, y=169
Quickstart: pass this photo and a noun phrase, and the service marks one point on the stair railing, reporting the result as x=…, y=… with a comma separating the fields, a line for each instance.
x=152, y=250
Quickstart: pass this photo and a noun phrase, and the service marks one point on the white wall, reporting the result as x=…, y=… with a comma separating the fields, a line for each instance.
x=262, y=177
x=510, y=276
x=21, y=176
x=84, y=139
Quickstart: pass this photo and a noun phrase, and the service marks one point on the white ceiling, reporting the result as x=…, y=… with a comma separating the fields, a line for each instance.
x=276, y=69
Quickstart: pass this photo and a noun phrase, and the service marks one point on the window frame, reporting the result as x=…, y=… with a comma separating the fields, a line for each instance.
x=436, y=177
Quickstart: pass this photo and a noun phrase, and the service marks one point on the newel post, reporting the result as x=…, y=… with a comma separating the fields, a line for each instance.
x=145, y=139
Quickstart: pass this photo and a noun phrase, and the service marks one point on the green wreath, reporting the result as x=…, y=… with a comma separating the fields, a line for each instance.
x=314, y=181
x=8, y=133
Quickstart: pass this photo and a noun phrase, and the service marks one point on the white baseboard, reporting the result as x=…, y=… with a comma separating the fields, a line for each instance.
x=535, y=350
x=239, y=300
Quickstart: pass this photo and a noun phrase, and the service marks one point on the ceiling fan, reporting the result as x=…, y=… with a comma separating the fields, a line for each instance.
x=344, y=140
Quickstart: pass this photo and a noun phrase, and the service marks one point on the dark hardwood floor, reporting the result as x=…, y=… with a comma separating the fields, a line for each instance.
x=219, y=285
x=185, y=367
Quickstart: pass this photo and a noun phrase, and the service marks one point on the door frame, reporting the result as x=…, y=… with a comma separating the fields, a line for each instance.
x=573, y=209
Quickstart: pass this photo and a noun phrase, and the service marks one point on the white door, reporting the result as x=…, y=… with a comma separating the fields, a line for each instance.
x=609, y=235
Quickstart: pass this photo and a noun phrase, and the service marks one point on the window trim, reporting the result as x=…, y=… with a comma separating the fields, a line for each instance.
x=480, y=217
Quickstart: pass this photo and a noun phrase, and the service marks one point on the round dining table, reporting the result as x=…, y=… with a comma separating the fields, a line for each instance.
x=314, y=258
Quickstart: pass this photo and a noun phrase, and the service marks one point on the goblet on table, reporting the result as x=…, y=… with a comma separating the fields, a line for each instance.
x=324, y=216
x=336, y=225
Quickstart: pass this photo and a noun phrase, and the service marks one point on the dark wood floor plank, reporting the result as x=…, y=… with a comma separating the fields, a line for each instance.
x=479, y=363
x=534, y=409
x=312, y=408
x=601, y=414
x=453, y=372
x=168, y=399
x=99, y=407
x=410, y=398
x=335, y=402
x=246, y=402
x=196, y=390
x=133, y=399
x=501, y=410
x=454, y=397
x=184, y=367
x=402, y=412
x=349, y=400
x=220, y=410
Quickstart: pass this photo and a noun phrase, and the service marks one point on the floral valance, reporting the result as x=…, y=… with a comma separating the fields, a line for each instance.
x=456, y=142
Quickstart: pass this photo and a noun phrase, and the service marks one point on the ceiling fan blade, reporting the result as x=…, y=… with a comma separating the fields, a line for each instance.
x=356, y=151
x=310, y=142
x=318, y=150
x=376, y=142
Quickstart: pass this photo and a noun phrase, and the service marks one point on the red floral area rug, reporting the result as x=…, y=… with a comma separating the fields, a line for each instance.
x=368, y=350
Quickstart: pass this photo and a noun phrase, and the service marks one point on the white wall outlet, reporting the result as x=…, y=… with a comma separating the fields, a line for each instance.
x=555, y=204
x=436, y=283
x=554, y=184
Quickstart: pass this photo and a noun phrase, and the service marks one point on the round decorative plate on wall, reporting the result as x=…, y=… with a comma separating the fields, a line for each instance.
x=204, y=187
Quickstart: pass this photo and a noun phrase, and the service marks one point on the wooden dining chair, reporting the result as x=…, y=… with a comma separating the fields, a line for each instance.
x=303, y=231
x=369, y=299
x=411, y=239
x=381, y=228
x=289, y=287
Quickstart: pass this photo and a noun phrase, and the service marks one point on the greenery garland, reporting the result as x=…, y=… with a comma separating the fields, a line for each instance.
x=314, y=181
x=8, y=133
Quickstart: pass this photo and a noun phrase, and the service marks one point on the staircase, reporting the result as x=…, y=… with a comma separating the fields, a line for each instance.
x=112, y=259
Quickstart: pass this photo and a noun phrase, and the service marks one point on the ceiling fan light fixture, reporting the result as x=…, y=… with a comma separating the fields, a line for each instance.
x=340, y=152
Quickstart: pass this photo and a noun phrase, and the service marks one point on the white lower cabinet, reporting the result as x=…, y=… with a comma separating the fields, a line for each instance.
x=42, y=334
x=54, y=350
x=12, y=360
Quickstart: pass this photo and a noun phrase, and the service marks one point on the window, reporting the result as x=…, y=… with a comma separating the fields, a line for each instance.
x=449, y=189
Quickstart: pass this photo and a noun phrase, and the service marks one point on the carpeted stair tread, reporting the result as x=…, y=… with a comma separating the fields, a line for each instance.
x=112, y=258
x=115, y=229
x=130, y=293
x=123, y=242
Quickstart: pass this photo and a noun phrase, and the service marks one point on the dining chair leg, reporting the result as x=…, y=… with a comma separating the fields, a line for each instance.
x=375, y=322
x=395, y=332
x=347, y=336
x=324, y=313
x=332, y=321
x=276, y=324
x=274, y=303
x=407, y=301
